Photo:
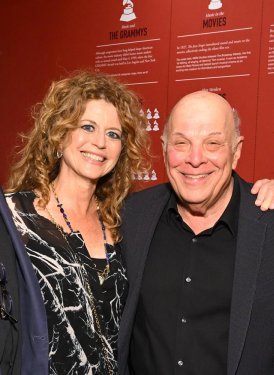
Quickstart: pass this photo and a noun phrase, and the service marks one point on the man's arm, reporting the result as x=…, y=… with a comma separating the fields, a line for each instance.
x=265, y=190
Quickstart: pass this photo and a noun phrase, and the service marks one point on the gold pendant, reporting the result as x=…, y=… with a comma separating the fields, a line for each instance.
x=103, y=274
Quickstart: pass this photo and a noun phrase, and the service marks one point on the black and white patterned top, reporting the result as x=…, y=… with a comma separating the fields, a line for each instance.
x=75, y=347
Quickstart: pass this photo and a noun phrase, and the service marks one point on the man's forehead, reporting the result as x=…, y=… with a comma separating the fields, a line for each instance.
x=201, y=101
x=200, y=128
x=201, y=117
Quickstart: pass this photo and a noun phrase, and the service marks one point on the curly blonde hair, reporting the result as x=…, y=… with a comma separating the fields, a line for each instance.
x=58, y=114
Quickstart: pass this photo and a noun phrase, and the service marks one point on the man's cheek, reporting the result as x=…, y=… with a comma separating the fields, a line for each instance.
x=175, y=158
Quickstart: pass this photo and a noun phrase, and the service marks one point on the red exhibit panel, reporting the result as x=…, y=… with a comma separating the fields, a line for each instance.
x=217, y=48
x=264, y=160
x=154, y=107
x=41, y=41
x=133, y=46
x=162, y=50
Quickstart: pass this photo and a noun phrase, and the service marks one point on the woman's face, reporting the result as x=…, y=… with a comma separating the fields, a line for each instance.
x=92, y=149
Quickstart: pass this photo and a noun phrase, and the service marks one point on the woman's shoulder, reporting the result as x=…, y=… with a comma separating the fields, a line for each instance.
x=20, y=194
x=19, y=198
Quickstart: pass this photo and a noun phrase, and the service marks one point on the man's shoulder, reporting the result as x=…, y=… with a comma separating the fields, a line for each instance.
x=247, y=205
x=154, y=192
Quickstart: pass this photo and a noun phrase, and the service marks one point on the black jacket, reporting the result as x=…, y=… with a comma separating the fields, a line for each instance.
x=31, y=356
x=251, y=336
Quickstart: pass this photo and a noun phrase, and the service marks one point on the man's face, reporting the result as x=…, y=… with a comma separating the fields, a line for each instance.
x=201, y=151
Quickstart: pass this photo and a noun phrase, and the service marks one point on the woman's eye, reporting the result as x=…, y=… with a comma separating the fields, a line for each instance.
x=87, y=127
x=114, y=135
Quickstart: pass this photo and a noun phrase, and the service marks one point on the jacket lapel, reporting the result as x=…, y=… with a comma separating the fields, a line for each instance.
x=251, y=233
x=145, y=223
x=139, y=224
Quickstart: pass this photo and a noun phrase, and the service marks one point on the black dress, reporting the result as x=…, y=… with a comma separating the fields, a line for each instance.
x=62, y=266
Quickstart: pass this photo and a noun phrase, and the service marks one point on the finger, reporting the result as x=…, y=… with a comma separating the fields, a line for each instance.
x=267, y=201
x=257, y=186
x=263, y=194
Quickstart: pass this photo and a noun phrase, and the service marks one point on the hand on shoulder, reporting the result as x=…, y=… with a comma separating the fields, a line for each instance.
x=265, y=194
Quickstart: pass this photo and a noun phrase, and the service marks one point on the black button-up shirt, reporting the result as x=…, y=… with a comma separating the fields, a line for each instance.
x=182, y=318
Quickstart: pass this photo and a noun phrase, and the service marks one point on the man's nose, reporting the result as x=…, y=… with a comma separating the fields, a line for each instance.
x=196, y=155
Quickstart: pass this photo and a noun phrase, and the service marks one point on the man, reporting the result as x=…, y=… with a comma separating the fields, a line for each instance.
x=199, y=255
x=23, y=326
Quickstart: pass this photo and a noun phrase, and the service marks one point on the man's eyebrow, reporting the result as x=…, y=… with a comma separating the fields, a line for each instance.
x=178, y=133
x=209, y=134
x=215, y=133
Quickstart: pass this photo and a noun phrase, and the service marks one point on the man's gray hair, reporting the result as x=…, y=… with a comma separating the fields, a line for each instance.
x=237, y=122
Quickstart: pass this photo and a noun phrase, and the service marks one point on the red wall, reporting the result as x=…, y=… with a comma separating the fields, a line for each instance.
x=41, y=40
x=169, y=49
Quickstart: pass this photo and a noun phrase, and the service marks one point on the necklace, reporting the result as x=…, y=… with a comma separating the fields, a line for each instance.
x=101, y=274
x=91, y=297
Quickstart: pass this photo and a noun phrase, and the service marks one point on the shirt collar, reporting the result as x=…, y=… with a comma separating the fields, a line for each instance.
x=229, y=216
x=231, y=213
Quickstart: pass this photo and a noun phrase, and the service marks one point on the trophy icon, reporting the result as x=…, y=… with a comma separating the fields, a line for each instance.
x=148, y=128
x=156, y=126
x=128, y=14
x=156, y=114
x=149, y=116
x=215, y=4
x=153, y=176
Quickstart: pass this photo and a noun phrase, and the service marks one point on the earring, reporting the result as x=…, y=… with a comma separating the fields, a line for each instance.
x=59, y=154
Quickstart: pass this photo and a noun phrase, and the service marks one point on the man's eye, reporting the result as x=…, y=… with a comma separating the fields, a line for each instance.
x=114, y=135
x=213, y=145
x=87, y=127
x=181, y=144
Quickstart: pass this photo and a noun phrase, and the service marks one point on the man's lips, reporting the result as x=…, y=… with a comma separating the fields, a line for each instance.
x=196, y=176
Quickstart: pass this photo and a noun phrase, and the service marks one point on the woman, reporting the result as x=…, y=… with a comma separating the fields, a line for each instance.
x=65, y=194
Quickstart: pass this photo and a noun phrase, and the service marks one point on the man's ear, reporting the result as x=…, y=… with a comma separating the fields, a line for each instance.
x=162, y=141
x=164, y=146
x=237, y=151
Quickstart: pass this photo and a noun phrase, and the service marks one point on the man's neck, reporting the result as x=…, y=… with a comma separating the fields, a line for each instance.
x=202, y=217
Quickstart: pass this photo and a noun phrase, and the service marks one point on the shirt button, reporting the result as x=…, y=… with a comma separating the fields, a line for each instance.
x=194, y=240
x=180, y=363
x=183, y=320
x=188, y=279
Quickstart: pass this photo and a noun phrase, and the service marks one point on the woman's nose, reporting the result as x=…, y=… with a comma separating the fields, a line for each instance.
x=99, y=139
